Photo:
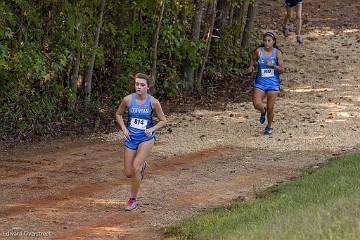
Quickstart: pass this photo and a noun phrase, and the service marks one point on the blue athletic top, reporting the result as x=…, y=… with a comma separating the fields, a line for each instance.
x=140, y=118
x=267, y=76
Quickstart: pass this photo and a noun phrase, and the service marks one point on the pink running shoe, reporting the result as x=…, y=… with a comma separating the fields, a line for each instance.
x=131, y=204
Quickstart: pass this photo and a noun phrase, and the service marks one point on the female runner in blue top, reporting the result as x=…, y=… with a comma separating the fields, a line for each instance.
x=138, y=132
x=270, y=64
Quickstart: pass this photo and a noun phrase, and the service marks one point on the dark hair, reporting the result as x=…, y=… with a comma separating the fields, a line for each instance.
x=143, y=76
x=272, y=35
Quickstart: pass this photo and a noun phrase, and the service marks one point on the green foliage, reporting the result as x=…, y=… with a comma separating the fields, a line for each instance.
x=40, y=41
x=171, y=38
x=228, y=57
x=169, y=83
x=31, y=112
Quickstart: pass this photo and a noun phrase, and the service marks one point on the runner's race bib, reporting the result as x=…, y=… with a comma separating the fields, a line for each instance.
x=138, y=123
x=267, y=72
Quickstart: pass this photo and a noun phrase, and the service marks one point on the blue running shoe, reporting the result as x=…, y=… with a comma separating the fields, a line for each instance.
x=267, y=131
x=142, y=172
x=262, y=117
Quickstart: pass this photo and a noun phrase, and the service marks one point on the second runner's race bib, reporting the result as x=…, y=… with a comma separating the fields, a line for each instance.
x=267, y=72
x=138, y=123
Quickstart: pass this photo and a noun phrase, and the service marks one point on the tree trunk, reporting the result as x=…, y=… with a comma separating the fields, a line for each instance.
x=23, y=30
x=207, y=15
x=116, y=66
x=251, y=14
x=52, y=23
x=231, y=13
x=223, y=8
x=75, y=74
x=213, y=17
x=195, y=35
x=155, y=42
x=90, y=68
x=133, y=22
x=182, y=18
x=241, y=12
x=174, y=9
x=76, y=61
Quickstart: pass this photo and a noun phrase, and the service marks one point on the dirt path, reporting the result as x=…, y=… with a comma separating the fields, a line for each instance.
x=75, y=190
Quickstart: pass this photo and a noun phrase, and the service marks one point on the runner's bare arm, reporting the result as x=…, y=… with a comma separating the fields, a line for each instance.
x=253, y=60
x=121, y=109
x=159, y=113
x=280, y=66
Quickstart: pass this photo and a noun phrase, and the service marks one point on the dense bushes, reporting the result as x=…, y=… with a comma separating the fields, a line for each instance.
x=45, y=52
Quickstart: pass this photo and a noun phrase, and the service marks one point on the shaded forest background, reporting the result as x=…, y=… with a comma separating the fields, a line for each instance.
x=65, y=65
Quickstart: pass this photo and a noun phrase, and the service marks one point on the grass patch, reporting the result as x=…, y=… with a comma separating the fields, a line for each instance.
x=324, y=204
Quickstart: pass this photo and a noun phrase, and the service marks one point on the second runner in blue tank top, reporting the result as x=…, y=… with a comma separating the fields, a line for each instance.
x=267, y=78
